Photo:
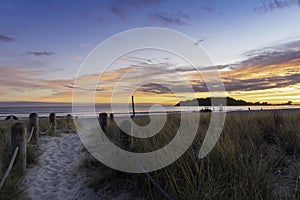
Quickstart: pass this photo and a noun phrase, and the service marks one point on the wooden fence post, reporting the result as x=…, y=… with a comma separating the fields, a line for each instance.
x=34, y=123
x=69, y=122
x=103, y=121
x=111, y=117
x=19, y=139
x=133, y=110
x=52, y=121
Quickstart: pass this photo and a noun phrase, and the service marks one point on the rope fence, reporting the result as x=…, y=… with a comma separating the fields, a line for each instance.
x=158, y=187
x=31, y=134
x=19, y=141
x=126, y=142
x=46, y=131
x=9, y=167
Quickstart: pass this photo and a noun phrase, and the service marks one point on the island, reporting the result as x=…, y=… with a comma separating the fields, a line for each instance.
x=229, y=102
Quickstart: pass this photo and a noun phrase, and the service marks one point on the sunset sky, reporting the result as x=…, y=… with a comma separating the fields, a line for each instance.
x=254, y=44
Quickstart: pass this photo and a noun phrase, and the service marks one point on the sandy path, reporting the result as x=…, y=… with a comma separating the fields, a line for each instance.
x=56, y=176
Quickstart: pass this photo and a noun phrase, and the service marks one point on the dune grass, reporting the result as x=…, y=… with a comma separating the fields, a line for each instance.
x=257, y=157
x=11, y=188
x=4, y=144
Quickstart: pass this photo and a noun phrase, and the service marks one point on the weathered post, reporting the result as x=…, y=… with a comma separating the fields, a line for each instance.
x=11, y=121
x=34, y=123
x=69, y=122
x=19, y=139
x=133, y=110
x=111, y=117
x=103, y=121
x=124, y=129
x=52, y=121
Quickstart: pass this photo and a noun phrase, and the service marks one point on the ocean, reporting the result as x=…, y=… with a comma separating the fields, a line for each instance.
x=44, y=111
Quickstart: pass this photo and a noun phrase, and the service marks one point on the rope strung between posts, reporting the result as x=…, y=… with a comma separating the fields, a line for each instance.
x=9, y=167
x=31, y=134
x=45, y=132
x=158, y=187
x=154, y=183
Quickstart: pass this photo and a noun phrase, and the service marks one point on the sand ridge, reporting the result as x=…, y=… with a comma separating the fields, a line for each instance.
x=57, y=174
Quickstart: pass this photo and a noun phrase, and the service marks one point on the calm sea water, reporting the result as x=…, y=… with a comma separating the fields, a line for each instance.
x=121, y=110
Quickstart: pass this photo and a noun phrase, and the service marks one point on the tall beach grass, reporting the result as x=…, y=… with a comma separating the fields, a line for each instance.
x=256, y=157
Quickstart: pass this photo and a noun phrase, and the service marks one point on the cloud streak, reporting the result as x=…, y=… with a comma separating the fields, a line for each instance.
x=120, y=8
x=169, y=18
x=23, y=84
x=118, y=12
x=154, y=88
x=261, y=83
x=276, y=55
x=5, y=38
x=39, y=53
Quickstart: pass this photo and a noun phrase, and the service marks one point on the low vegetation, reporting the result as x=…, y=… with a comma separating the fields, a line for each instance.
x=256, y=157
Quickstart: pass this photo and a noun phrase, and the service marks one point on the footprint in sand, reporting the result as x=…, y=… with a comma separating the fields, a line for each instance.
x=56, y=175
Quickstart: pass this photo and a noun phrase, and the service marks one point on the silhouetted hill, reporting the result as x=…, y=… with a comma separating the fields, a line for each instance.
x=207, y=102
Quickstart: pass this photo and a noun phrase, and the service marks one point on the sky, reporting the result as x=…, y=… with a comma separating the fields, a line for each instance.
x=254, y=44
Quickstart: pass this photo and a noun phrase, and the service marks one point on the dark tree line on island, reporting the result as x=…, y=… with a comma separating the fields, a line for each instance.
x=229, y=102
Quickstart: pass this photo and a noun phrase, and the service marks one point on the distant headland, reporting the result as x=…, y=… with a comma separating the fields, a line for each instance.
x=229, y=102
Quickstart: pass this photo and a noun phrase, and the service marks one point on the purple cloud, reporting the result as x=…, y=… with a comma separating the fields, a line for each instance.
x=39, y=53
x=170, y=18
x=261, y=83
x=94, y=15
x=154, y=88
x=272, y=55
x=5, y=38
x=120, y=7
x=208, y=8
x=118, y=12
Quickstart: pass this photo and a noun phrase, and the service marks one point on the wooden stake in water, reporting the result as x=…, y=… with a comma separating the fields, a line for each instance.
x=132, y=103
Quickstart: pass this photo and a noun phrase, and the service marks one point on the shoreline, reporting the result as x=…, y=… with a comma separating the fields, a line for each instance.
x=184, y=109
x=232, y=113
x=145, y=113
x=285, y=111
